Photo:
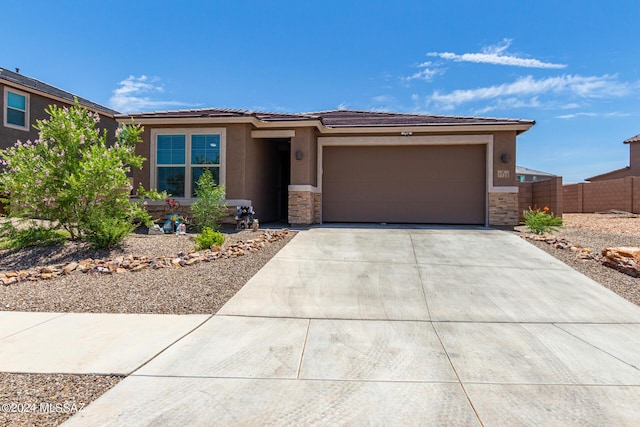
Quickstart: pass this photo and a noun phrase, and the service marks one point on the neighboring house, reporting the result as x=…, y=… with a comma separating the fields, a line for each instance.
x=24, y=101
x=339, y=166
x=634, y=163
x=530, y=175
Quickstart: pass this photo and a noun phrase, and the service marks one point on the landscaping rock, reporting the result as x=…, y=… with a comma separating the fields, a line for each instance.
x=120, y=265
x=623, y=259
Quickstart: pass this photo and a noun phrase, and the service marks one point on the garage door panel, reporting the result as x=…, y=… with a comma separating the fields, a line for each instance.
x=411, y=184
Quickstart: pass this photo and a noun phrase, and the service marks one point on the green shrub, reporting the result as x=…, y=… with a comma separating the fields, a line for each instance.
x=207, y=238
x=14, y=238
x=107, y=232
x=210, y=207
x=541, y=221
x=70, y=173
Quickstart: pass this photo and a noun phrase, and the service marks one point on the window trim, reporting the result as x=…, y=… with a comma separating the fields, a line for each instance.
x=27, y=104
x=187, y=132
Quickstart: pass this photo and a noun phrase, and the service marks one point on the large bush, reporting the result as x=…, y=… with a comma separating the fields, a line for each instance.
x=71, y=177
x=210, y=207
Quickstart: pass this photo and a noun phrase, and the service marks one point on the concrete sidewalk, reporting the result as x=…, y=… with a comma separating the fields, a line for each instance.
x=87, y=343
x=410, y=327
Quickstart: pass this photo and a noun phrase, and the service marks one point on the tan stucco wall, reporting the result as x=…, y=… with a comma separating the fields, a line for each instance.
x=304, y=171
x=238, y=138
x=141, y=176
x=634, y=159
x=504, y=143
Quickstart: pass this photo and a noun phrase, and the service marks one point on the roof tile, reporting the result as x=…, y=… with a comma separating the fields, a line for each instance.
x=335, y=118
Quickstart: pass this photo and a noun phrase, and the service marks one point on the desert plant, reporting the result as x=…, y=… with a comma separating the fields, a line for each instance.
x=541, y=221
x=70, y=175
x=107, y=232
x=32, y=234
x=208, y=237
x=210, y=207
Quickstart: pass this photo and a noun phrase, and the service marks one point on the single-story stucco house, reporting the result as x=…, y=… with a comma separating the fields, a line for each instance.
x=339, y=165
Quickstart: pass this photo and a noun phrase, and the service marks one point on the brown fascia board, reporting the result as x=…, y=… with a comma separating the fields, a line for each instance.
x=603, y=175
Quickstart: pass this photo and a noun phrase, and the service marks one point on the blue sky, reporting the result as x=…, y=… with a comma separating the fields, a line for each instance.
x=573, y=66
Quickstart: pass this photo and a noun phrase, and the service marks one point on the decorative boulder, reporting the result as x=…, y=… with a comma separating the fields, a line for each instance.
x=155, y=230
x=623, y=259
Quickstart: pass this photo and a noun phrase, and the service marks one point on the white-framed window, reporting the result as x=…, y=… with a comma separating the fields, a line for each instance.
x=180, y=156
x=16, y=109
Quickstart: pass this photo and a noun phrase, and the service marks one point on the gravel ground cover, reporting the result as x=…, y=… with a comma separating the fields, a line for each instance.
x=48, y=400
x=204, y=288
x=596, y=232
x=198, y=289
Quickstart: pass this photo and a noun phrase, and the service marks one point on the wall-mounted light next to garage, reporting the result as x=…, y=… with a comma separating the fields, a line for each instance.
x=298, y=154
x=505, y=157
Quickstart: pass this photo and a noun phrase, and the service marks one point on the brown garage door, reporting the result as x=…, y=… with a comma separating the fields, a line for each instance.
x=408, y=184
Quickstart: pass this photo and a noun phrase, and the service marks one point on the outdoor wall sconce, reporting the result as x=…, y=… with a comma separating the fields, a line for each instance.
x=505, y=158
x=299, y=155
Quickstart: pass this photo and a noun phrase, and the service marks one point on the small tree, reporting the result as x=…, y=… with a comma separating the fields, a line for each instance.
x=210, y=207
x=73, y=178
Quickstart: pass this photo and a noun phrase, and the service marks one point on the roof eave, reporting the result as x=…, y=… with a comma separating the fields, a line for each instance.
x=432, y=128
x=366, y=129
x=124, y=118
x=602, y=175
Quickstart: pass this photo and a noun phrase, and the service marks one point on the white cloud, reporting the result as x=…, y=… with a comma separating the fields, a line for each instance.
x=585, y=114
x=605, y=86
x=133, y=94
x=342, y=106
x=509, y=104
x=427, y=73
x=496, y=54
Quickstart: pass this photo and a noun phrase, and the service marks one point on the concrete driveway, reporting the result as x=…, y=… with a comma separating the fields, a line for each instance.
x=405, y=326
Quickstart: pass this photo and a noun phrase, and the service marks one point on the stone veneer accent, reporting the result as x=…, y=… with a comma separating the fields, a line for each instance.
x=503, y=209
x=301, y=207
x=317, y=207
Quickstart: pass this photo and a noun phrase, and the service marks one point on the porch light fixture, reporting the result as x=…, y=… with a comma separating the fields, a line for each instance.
x=299, y=155
x=505, y=158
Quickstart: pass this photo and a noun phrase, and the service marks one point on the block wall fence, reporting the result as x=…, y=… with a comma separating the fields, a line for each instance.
x=539, y=194
x=588, y=197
